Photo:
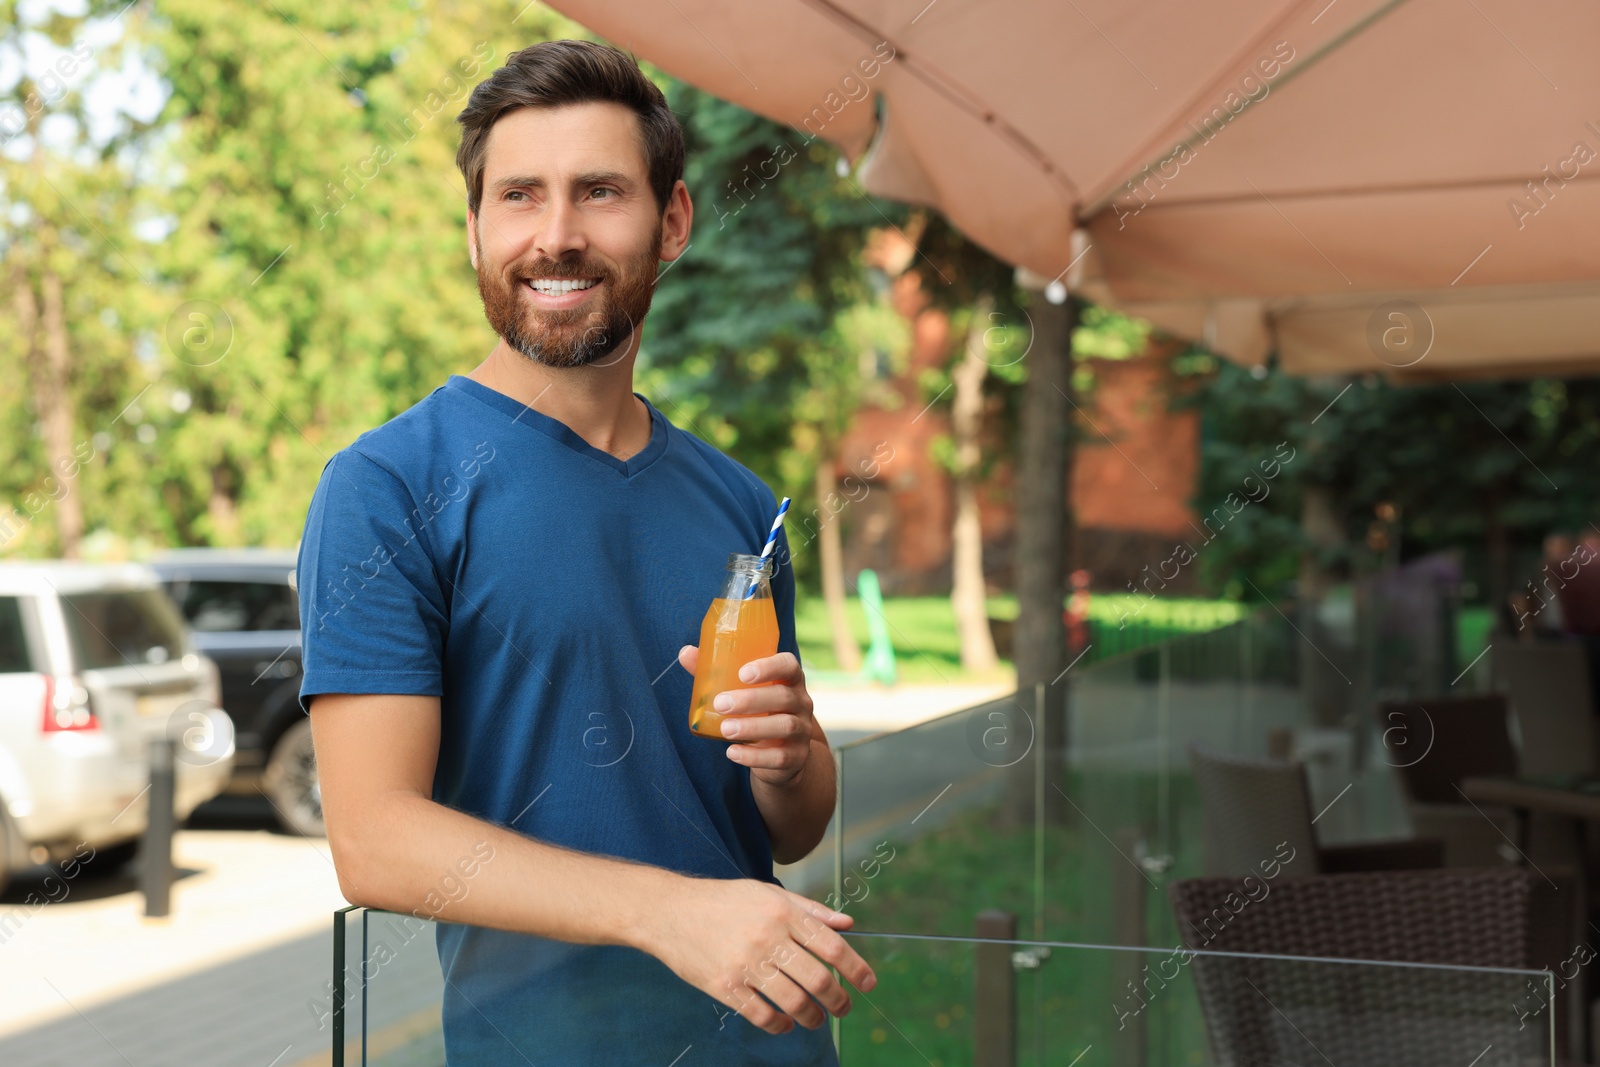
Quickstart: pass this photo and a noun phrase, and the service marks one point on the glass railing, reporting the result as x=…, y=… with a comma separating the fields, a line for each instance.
x=978, y=809
x=948, y=1001
x=387, y=990
x=966, y=1000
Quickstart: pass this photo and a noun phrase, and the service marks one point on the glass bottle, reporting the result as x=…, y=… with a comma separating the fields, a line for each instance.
x=741, y=625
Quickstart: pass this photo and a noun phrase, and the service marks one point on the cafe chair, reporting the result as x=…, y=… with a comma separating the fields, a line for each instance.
x=1551, y=703
x=1433, y=744
x=1260, y=1008
x=1253, y=810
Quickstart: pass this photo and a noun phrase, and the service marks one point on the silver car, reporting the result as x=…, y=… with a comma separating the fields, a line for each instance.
x=95, y=663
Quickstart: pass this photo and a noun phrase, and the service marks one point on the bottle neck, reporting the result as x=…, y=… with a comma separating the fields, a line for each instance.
x=748, y=578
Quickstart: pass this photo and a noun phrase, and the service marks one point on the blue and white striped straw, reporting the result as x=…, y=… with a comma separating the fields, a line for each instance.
x=772, y=539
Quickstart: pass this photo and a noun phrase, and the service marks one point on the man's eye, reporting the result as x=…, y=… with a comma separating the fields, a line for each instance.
x=606, y=189
x=516, y=194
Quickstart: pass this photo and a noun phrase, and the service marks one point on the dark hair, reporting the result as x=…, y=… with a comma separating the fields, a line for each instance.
x=554, y=73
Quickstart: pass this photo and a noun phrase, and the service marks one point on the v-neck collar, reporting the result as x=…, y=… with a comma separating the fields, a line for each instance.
x=559, y=431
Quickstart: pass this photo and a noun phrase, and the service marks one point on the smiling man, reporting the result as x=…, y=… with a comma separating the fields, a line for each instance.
x=499, y=587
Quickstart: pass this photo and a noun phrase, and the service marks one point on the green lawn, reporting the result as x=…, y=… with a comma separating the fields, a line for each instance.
x=927, y=651
x=1472, y=633
x=922, y=630
x=921, y=1012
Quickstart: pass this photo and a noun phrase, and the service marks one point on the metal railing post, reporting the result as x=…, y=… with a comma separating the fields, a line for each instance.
x=836, y=1024
x=338, y=987
x=1129, y=885
x=994, y=1021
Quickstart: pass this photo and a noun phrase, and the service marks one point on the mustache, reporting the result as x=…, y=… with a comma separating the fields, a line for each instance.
x=519, y=273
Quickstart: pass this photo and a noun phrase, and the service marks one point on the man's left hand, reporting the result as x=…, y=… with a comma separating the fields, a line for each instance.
x=773, y=720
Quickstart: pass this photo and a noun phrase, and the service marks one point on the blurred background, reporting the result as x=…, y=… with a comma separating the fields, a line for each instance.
x=232, y=239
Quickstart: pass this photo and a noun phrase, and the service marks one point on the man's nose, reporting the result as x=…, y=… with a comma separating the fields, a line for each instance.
x=560, y=230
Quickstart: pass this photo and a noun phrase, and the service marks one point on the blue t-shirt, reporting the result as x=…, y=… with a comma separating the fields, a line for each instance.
x=478, y=551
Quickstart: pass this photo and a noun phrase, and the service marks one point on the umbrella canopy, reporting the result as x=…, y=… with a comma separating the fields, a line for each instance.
x=1409, y=186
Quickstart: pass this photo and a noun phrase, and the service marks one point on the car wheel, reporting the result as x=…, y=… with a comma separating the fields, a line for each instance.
x=290, y=782
x=108, y=859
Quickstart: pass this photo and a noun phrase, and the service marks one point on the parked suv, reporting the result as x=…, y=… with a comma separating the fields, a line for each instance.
x=241, y=605
x=94, y=665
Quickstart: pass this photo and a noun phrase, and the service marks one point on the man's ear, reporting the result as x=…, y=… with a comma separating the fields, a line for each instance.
x=472, y=238
x=677, y=221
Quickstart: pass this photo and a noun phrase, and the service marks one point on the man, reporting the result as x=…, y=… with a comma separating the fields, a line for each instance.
x=498, y=587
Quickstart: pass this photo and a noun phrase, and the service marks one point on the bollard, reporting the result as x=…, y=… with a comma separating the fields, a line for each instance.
x=994, y=1020
x=155, y=851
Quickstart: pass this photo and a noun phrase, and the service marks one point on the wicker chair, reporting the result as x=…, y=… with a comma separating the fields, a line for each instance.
x=1277, y=1011
x=1251, y=808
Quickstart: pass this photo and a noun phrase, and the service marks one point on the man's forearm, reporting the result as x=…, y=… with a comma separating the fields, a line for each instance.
x=414, y=856
x=797, y=812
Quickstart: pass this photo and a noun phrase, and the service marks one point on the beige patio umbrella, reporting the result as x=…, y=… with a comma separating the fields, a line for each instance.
x=1410, y=186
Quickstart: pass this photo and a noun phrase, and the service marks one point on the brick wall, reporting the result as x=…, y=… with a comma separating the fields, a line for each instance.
x=1131, y=483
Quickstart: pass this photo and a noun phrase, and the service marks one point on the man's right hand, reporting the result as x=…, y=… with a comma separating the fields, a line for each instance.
x=734, y=939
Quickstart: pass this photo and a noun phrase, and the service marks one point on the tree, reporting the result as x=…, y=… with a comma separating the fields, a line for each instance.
x=836, y=389
x=754, y=343
x=75, y=269
x=319, y=231
x=1045, y=445
x=968, y=591
x=963, y=279
x=1468, y=464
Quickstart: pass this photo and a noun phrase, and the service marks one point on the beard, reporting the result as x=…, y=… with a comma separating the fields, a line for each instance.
x=569, y=337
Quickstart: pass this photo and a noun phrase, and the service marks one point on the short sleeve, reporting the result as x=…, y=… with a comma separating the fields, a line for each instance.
x=372, y=616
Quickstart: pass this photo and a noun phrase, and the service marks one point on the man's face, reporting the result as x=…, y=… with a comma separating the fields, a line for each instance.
x=566, y=199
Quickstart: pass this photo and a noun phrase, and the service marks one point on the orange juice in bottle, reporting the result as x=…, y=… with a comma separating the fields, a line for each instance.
x=741, y=625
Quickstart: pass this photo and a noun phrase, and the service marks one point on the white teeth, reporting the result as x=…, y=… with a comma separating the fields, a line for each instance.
x=544, y=285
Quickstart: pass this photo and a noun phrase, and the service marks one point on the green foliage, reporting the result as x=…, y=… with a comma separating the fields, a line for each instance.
x=756, y=334
x=304, y=274
x=956, y=272
x=1108, y=334
x=274, y=265
x=1243, y=420
x=1461, y=463
x=272, y=261
x=70, y=205
x=320, y=210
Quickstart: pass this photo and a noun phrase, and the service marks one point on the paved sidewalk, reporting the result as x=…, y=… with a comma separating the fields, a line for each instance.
x=256, y=900
x=850, y=712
